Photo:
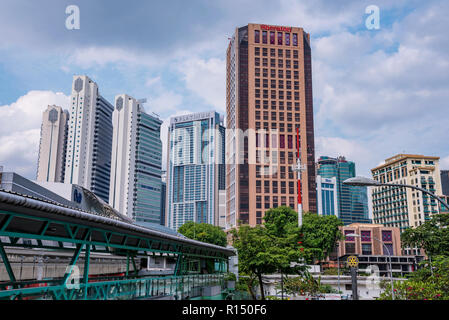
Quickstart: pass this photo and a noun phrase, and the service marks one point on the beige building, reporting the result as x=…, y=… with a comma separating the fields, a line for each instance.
x=375, y=239
x=268, y=96
x=406, y=207
x=51, y=162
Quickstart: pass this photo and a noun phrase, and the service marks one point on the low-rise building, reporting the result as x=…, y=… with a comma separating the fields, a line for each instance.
x=374, y=246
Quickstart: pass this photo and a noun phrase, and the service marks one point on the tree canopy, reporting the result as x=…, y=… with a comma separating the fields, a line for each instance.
x=432, y=236
x=204, y=232
x=319, y=234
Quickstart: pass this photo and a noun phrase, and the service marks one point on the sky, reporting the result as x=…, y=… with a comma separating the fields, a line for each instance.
x=377, y=92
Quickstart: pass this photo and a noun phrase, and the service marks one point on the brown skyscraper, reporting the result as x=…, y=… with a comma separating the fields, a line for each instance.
x=268, y=95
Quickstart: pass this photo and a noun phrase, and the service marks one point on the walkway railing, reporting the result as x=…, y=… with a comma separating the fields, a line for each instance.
x=181, y=287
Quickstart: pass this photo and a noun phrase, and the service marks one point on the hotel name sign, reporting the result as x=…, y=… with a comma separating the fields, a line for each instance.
x=193, y=117
x=275, y=28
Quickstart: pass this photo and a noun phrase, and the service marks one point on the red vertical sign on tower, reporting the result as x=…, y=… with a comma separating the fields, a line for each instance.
x=299, y=172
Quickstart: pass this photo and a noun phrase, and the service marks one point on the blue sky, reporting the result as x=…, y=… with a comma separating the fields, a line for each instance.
x=376, y=92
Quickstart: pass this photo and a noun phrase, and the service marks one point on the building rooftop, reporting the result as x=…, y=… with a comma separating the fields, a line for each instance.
x=403, y=156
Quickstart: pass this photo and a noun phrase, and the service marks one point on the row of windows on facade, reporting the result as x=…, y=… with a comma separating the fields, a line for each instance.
x=282, y=38
x=402, y=164
x=265, y=143
x=280, y=66
x=274, y=103
x=401, y=224
x=271, y=156
x=365, y=235
x=274, y=126
x=274, y=116
x=273, y=82
x=274, y=187
x=280, y=72
x=367, y=249
x=280, y=95
x=389, y=192
x=397, y=174
x=275, y=204
x=280, y=53
x=273, y=170
x=273, y=71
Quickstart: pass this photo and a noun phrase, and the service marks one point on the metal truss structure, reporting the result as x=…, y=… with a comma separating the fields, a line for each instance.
x=31, y=223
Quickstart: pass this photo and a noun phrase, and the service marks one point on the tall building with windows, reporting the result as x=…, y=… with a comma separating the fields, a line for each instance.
x=268, y=96
x=195, y=168
x=89, y=138
x=445, y=189
x=327, y=196
x=406, y=207
x=136, y=162
x=52, y=146
x=352, y=201
x=445, y=182
x=163, y=195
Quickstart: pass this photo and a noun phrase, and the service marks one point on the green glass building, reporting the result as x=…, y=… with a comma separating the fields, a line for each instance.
x=352, y=201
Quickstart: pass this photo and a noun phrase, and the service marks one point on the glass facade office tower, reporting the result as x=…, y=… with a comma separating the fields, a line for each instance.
x=445, y=182
x=352, y=201
x=136, y=186
x=195, y=169
x=89, y=140
x=268, y=87
x=52, y=146
x=405, y=207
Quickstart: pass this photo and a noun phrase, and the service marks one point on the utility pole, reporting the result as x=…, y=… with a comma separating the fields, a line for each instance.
x=354, y=283
x=353, y=263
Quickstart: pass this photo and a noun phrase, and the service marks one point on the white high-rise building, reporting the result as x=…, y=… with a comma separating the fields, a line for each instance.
x=195, y=169
x=136, y=162
x=89, y=141
x=51, y=162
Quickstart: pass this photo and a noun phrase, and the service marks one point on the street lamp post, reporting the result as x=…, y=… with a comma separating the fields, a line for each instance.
x=389, y=256
x=338, y=266
x=367, y=182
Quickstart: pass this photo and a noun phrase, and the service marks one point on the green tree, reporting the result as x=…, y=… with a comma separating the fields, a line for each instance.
x=281, y=222
x=261, y=253
x=281, y=225
x=319, y=235
x=204, y=232
x=432, y=236
x=279, y=245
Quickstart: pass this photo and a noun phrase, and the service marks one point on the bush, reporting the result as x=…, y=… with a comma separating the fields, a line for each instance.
x=424, y=284
x=230, y=277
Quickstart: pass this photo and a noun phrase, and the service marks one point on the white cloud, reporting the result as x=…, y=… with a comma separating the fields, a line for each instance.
x=206, y=78
x=165, y=101
x=352, y=150
x=20, y=124
x=389, y=99
x=91, y=57
x=152, y=81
